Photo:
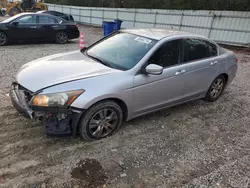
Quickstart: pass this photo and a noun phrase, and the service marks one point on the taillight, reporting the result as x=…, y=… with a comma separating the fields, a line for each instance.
x=236, y=60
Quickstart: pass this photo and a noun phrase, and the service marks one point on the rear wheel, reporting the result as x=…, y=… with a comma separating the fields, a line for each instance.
x=101, y=120
x=3, y=39
x=14, y=11
x=62, y=37
x=216, y=89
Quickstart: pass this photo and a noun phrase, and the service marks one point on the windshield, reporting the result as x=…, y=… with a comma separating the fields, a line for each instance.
x=11, y=18
x=121, y=50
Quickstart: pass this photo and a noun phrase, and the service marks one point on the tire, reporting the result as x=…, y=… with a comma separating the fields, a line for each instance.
x=61, y=37
x=14, y=11
x=102, y=125
x=3, y=39
x=216, y=89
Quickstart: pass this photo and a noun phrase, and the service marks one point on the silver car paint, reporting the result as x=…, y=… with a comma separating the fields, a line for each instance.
x=50, y=71
x=141, y=93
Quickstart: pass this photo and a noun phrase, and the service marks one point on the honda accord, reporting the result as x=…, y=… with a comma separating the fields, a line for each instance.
x=124, y=75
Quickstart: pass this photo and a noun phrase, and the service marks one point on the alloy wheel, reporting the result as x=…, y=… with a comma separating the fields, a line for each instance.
x=217, y=88
x=103, y=123
x=62, y=37
x=3, y=39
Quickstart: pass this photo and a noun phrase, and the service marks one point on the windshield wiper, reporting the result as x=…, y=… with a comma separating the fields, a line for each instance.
x=99, y=60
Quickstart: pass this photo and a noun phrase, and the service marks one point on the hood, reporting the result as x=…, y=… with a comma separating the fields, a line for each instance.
x=59, y=68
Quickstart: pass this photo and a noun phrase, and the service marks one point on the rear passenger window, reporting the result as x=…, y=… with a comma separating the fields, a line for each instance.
x=47, y=20
x=195, y=49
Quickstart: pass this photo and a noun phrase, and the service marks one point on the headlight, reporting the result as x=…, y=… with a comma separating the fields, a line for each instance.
x=56, y=99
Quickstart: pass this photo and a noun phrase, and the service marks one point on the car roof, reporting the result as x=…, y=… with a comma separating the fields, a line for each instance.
x=159, y=34
x=38, y=13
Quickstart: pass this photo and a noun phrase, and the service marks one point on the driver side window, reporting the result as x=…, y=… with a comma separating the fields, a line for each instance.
x=25, y=20
x=168, y=54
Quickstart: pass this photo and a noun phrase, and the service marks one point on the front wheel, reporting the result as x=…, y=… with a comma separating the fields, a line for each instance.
x=3, y=39
x=216, y=89
x=101, y=120
x=62, y=37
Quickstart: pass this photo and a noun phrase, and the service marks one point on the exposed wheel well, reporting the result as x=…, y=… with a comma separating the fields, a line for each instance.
x=225, y=76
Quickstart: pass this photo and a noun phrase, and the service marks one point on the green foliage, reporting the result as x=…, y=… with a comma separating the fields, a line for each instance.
x=240, y=5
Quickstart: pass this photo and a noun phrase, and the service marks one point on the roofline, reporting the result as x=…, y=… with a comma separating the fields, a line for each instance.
x=181, y=34
x=42, y=14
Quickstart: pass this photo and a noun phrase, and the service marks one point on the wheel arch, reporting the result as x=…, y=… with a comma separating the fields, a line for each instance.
x=225, y=76
x=1, y=31
x=120, y=102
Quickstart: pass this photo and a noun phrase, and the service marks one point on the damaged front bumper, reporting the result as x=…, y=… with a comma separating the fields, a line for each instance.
x=57, y=121
x=17, y=97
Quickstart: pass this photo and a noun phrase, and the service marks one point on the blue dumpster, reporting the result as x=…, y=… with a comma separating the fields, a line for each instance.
x=118, y=24
x=108, y=27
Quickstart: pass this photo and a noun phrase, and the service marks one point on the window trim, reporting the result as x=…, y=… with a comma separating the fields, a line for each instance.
x=16, y=20
x=38, y=20
x=206, y=58
x=141, y=71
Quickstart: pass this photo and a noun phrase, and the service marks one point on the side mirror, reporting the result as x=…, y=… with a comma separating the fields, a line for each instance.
x=154, y=69
x=84, y=48
x=15, y=23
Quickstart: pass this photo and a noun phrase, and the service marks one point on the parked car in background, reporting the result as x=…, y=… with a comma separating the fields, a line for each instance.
x=33, y=26
x=125, y=75
x=58, y=14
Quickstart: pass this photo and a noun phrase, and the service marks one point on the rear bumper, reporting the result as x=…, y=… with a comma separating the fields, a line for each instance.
x=74, y=34
x=232, y=74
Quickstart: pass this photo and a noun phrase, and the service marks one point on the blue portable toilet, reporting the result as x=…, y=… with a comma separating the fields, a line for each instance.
x=118, y=24
x=108, y=27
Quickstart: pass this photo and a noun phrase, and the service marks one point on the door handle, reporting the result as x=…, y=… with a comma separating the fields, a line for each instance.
x=180, y=72
x=213, y=63
x=33, y=27
x=55, y=26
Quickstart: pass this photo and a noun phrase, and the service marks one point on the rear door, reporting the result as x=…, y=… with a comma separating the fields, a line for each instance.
x=25, y=28
x=201, y=64
x=47, y=26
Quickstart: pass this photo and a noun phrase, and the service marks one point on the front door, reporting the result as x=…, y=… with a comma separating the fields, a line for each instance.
x=152, y=92
x=24, y=28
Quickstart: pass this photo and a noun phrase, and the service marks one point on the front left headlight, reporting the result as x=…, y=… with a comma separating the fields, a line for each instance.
x=55, y=99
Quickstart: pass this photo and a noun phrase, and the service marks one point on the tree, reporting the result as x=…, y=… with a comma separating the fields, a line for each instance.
x=240, y=5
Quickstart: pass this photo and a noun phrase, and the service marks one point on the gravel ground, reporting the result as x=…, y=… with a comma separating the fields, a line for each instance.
x=198, y=144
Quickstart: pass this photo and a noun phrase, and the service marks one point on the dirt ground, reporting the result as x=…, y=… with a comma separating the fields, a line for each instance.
x=198, y=144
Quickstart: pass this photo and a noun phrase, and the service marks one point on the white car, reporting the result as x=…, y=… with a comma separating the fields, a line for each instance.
x=125, y=75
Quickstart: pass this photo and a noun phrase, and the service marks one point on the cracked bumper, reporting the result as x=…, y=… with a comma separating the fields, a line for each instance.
x=19, y=104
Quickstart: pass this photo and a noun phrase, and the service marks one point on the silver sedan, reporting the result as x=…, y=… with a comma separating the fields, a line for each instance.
x=124, y=75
